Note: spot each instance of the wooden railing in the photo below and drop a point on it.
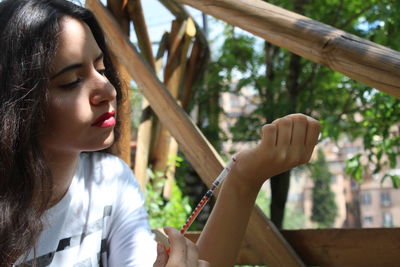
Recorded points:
(361, 60)
(369, 247)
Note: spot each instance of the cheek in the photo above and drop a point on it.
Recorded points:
(65, 113)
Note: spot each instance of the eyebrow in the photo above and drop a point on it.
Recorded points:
(74, 66)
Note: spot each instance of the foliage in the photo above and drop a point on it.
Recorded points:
(380, 134)
(286, 83)
(324, 208)
(173, 212)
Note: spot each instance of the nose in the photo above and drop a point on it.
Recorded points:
(103, 91)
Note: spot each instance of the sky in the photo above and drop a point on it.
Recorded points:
(158, 18)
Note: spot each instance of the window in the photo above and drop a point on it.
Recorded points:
(354, 185)
(387, 219)
(385, 198)
(368, 220)
(366, 198)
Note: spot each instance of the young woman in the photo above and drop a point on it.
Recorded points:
(64, 201)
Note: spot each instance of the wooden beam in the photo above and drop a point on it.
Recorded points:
(263, 237)
(162, 48)
(166, 146)
(117, 8)
(347, 247)
(339, 247)
(122, 148)
(364, 61)
(195, 65)
(135, 11)
(181, 13)
(143, 144)
(139, 23)
(172, 74)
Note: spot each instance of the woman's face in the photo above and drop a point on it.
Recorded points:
(82, 102)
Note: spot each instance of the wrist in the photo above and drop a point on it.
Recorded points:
(241, 184)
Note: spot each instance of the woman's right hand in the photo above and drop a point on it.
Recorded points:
(183, 252)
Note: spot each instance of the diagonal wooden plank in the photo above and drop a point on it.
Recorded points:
(262, 238)
(362, 60)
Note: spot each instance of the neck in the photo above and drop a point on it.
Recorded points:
(63, 167)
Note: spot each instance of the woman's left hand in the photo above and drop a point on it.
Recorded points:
(285, 143)
(182, 252)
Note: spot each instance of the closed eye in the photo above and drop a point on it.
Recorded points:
(102, 71)
(71, 84)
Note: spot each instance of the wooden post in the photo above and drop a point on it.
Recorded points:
(143, 144)
(172, 75)
(122, 148)
(267, 244)
(193, 70)
(362, 60)
(166, 147)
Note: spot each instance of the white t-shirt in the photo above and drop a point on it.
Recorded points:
(101, 221)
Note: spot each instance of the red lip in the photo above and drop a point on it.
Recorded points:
(105, 120)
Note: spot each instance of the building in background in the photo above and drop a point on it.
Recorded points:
(379, 204)
(372, 203)
(369, 204)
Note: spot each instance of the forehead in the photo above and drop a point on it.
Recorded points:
(76, 43)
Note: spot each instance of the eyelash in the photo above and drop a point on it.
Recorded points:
(102, 71)
(73, 84)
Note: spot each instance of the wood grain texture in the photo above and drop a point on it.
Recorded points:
(338, 247)
(347, 247)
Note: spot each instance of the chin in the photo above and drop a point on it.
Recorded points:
(105, 144)
(104, 148)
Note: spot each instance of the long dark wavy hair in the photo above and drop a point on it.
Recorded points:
(28, 31)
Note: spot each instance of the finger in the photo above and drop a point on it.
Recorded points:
(268, 135)
(297, 143)
(203, 263)
(192, 253)
(299, 130)
(177, 244)
(284, 132)
(313, 131)
(162, 256)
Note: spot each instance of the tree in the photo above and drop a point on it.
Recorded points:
(324, 208)
(286, 83)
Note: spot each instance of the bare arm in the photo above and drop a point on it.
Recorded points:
(285, 143)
